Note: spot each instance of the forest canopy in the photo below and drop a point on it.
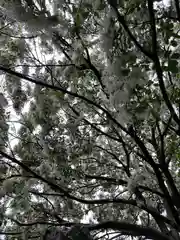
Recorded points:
(90, 118)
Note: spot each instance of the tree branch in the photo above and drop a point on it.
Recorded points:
(124, 183)
(157, 65)
(10, 233)
(131, 229)
(177, 9)
(126, 28)
(58, 88)
(85, 201)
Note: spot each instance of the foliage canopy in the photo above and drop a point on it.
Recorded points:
(90, 118)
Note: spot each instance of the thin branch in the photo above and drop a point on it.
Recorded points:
(10, 233)
(58, 88)
(85, 201)
(177, 9)
(122, 182)
(93, 125)
(158, 176)
(157, 65)
(41, 65)
(45, 194)
(36, 223)
(112, 154)
(21, 37)
(122, 21)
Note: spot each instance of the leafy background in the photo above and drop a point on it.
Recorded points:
(89, 118)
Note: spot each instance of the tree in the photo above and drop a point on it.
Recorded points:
(90, 118)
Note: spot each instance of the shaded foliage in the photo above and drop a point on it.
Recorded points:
(89, 119)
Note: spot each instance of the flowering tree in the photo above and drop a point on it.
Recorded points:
(90, 118)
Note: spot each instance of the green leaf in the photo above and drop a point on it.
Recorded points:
(79, 19)
(172, 66)
(174, 43)
(165, 68)
(175, 35)
(125, 72)
(84, 14)
(175, 56)
(59, 95)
